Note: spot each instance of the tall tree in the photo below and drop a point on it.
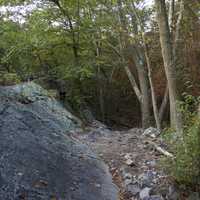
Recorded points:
(139, 58)
(169, 64)
(149, 67)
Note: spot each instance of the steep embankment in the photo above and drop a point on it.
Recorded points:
(39, 160)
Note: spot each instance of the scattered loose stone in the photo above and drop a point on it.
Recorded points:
(151, 163)
(145, 193)
(130, 162)
(133, 189)
(127, 156)
(155, 197)
(127, 182)
(130, 159)
(128, 176)
(137, 175)
(151, 132)
(146, 179)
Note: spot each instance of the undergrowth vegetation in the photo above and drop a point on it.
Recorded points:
(184, 167)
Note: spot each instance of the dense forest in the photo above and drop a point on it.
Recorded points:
(125, 63)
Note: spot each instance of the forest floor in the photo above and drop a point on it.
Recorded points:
(133, 162)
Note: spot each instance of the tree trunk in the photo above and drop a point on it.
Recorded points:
(144, 87)
(153, 94)
(75, 41)
(100, 86)
(148, 62)
(143, 92)
(171, 15)
(169, 64)
(176, 44)
(145, 101)
(164, 104)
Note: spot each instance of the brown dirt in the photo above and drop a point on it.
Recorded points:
(112, 146)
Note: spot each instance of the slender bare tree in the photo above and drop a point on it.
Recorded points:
(169, 63)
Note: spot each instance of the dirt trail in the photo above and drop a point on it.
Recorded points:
(133, 162)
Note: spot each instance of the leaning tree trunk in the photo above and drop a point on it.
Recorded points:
(149, 68)
(145, 101)
(169, 64)
(142, 92)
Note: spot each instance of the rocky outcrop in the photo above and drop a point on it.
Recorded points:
(39, 160)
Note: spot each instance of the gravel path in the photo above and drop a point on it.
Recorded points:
(133, 162)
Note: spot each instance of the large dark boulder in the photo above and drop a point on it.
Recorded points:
(39, 160)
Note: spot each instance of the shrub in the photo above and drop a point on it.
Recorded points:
(185, 167)
(9, 79)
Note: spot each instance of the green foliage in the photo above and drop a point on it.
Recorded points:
(11, 2)
(9, 79)
(188, 107)
(43, 46)
(185, 166)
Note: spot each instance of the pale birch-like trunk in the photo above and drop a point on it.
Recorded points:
(169, 64)
(149, 68)
(142, 72)
(145, 103)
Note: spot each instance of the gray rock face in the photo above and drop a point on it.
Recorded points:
(38, 159)
(38, 99)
